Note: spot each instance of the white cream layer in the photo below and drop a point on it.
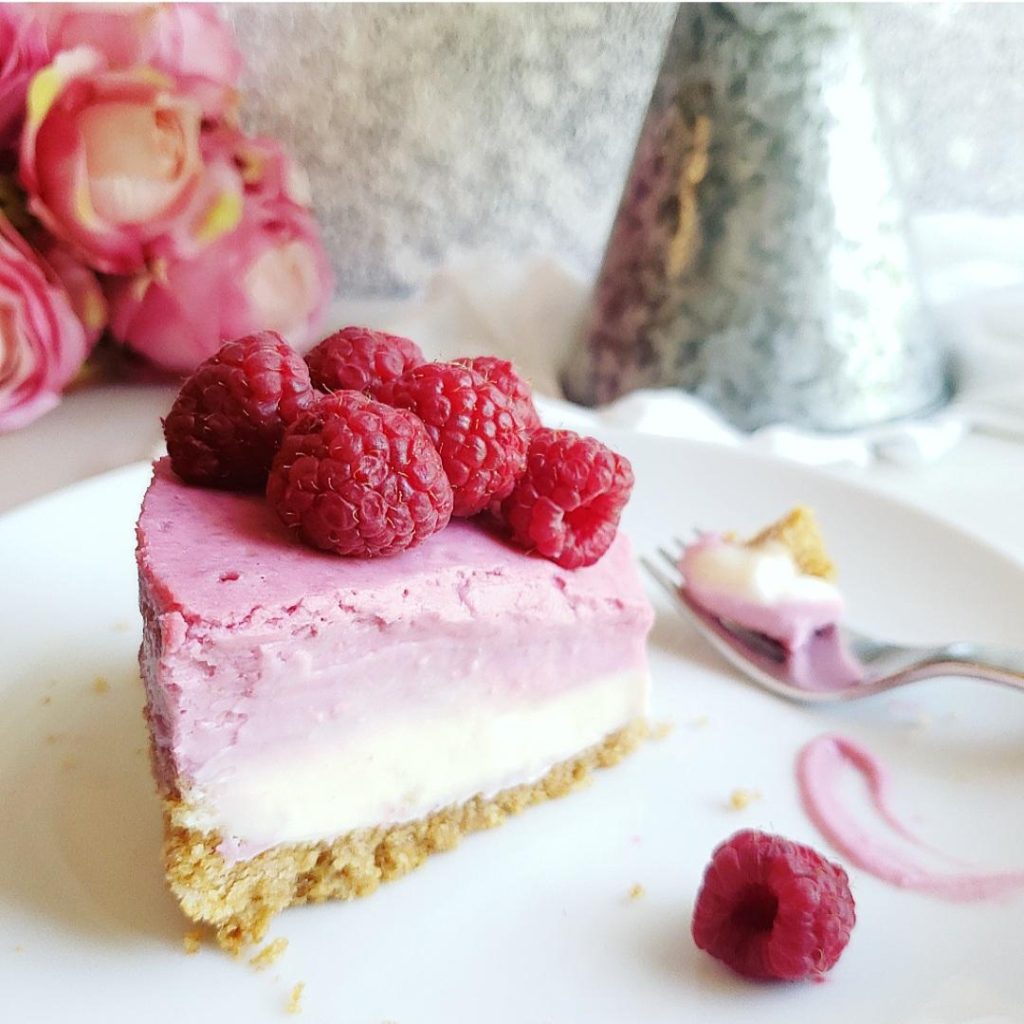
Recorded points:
(765, 574)
(397, 771)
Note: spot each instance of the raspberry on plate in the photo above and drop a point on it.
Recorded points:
(568, 502)
(503, 375)
(229, 416)
(359, 478)
(482, 443)
(359, 359)
(770, 908)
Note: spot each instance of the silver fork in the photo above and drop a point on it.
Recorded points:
(884, 666)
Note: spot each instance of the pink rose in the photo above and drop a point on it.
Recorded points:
(181, 40)
(22, 53)
(82, 286)
(266, 169)
(42, 343)
(110, 159)
(270, 273)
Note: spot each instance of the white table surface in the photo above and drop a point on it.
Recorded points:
(979, 485)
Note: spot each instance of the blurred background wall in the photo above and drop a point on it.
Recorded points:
(428, 128)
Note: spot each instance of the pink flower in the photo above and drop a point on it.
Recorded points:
(270, 273)
(266, 169)
(110, 159)
(42, 343)
(181, 40)
(82, 286)
(22, 53)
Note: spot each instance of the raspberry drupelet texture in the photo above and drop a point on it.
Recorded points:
(482, 443)
(359, 359)
(359, 478)
(229, 417)
(567, 504)
(773, 909)
(504, 376)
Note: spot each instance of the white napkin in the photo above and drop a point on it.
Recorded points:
(530, 311)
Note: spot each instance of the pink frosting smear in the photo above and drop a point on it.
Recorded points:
(819, 766)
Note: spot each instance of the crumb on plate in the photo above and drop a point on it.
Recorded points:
(295, 999)
(637, 892)
(741, 798)
(269, 953)
(100, 685)
(192, 941)
(661, 730)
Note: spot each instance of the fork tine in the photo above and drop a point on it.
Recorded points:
(668, 558)
(659, 577)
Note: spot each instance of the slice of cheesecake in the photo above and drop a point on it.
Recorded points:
(779, 586)
(320, 725)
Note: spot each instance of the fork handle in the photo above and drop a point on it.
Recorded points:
(981, 661)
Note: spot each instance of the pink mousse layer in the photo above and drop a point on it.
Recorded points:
(254, 640)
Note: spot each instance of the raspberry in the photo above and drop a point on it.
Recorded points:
(482, 443)
(771, 908)
(359, 359)
(503, 375)
(567, 504)
(359, 478)
(229, 416)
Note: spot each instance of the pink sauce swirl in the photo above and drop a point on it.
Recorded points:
(819, 765)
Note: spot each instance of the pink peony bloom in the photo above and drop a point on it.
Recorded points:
(270, 273)
(110, 159)
(22, 53)
(42, 343)
(181, 40)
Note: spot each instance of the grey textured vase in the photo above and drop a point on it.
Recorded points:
(759, 257)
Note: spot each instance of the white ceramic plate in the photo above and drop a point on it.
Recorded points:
(529, 923)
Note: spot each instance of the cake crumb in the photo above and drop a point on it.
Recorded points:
(699, 722)
(100, 685)
(192, 941)
(68, 764)
(798, 531)
(636, 892)
(661, 730)
(121, 626)
(269, 953)
(52, 737)
(295, 999)
(45, 700)
(19, 949)
(741, 798)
